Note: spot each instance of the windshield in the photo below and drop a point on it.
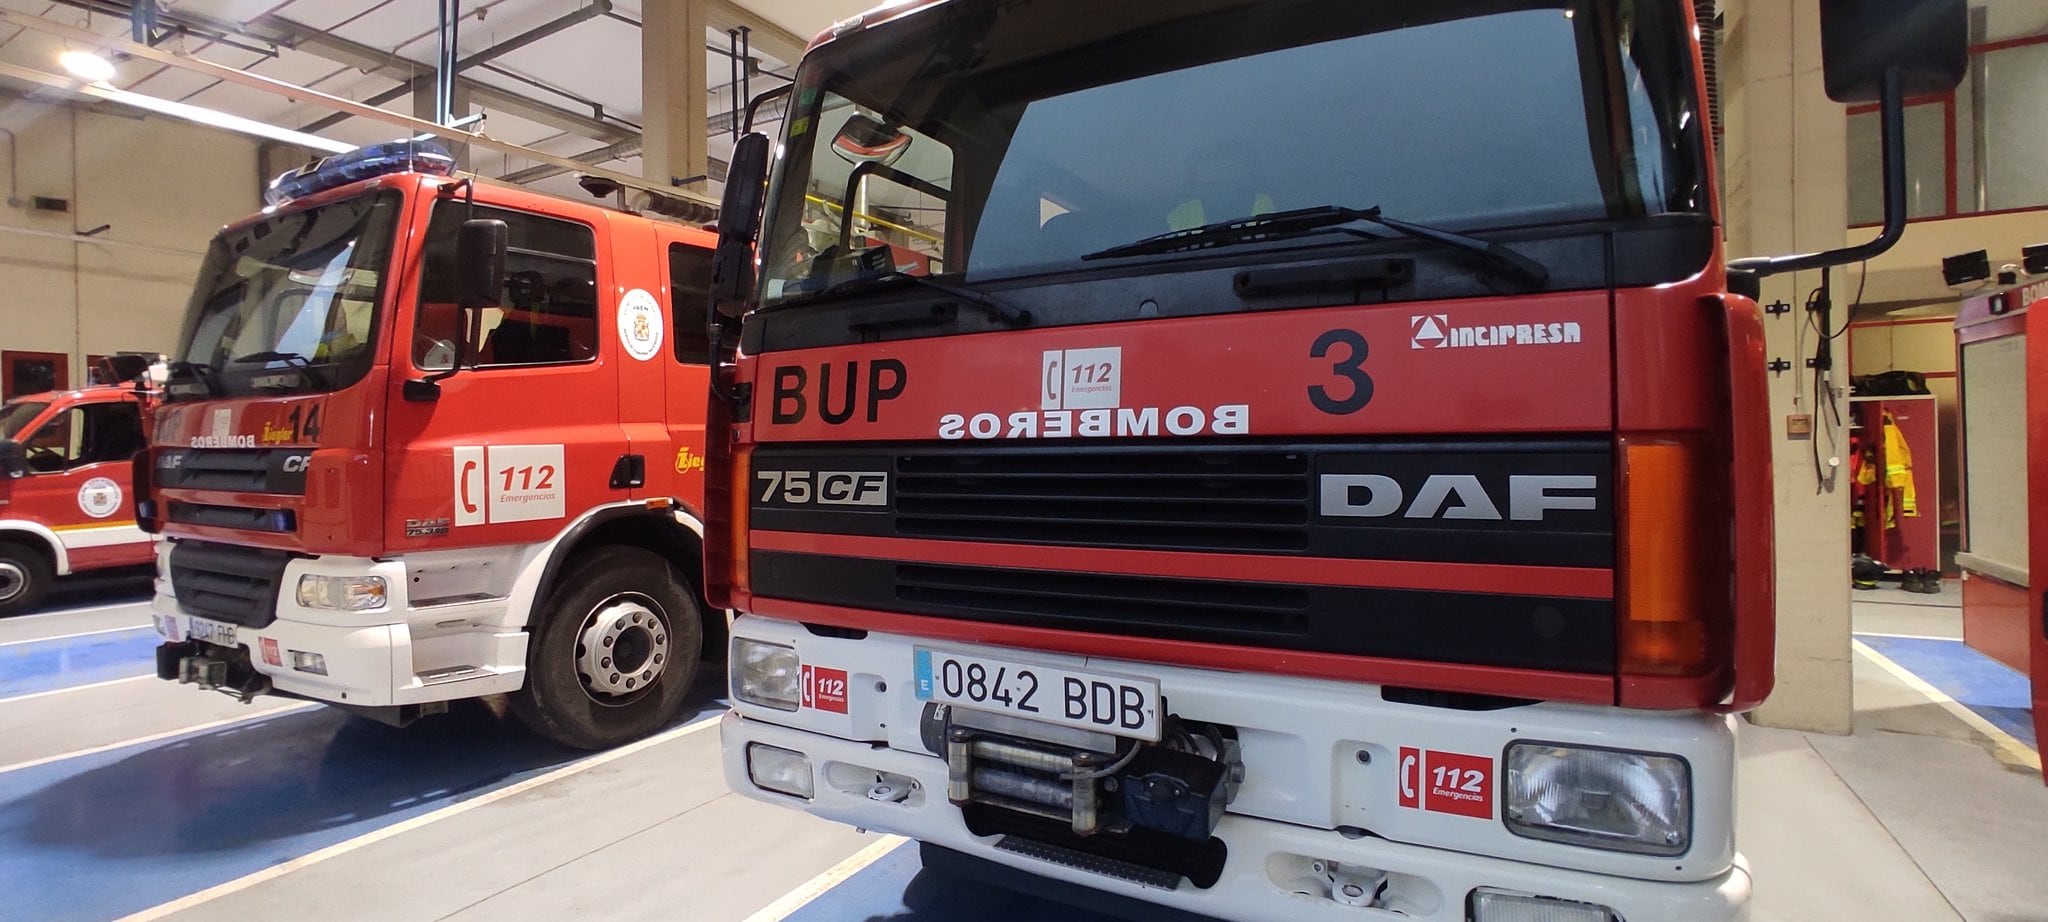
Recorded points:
(999, 146)
(16, 415)
(289, 303)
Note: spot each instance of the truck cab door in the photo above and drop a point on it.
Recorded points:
(522, 440)
(688, 267)
(77, 486)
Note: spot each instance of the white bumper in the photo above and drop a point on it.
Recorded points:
(395, 655)
(1305, 778)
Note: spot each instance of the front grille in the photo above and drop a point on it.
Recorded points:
(1475, 628)
(1209, 500)
(1248, 612)
(241, 470)
(1532, 502)
(280, 521)
(228, 582)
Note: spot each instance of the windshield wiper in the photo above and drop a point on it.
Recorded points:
(1009, 314)
(200, 372)
(302, 363)
(1324, 219)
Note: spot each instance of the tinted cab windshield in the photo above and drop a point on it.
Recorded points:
(289, 303)
(990, 147)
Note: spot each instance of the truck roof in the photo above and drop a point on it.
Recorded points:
(494, 193)
(874, 16)
(87, 393)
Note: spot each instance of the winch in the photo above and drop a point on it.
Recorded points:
(1092, 781)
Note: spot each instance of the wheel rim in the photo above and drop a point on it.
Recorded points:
(622, 649)
(13, 580)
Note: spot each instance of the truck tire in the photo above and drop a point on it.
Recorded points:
(614, 650)
(25, 577)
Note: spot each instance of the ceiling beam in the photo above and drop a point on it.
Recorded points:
(551, 27)
(766, 37)
(393, 66)
(278, 30)
(302, 94)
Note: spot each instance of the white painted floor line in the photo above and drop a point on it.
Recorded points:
(167, 734)
(832, 877)
(2009, 747)
(378, 835)
(17, 619)
(68, 690)
(111, 630)
(1906, 636)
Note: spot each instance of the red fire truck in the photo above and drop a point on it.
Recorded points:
(64, 472)
(428, 438)
(1322, 474)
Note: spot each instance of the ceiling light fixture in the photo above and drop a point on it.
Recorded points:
(87, 66)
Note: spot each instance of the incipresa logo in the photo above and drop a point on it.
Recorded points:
(1434, 331)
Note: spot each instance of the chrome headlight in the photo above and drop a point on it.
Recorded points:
(341, 593)
(1599, 798)
(766, 674)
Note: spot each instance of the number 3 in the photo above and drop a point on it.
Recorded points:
(1350, 369)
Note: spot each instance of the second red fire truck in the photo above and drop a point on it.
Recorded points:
(427, 438)
(65, 504)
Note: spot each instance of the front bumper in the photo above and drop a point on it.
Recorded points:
(397, 655)
(1320, 757)
(1263, 875)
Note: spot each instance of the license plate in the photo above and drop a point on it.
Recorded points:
(1119, 705)
(213, 632)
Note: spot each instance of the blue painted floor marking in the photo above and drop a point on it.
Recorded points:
(1984, 685)
(63, 662)
(898, 888)
(100, 836)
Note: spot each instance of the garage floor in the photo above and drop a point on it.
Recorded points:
(124, 796)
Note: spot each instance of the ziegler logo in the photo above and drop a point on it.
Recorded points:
(1529, 497)
(829, 488)
(1434, 331)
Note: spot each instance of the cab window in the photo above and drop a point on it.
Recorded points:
(689, 296)
(90, 434)
(547, 314)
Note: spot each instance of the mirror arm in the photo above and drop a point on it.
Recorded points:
(1892, 117)
(755, 104)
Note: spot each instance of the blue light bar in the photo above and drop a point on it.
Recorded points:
(359, 164)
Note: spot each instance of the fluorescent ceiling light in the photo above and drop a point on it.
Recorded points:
(87, 65)
(180, 110)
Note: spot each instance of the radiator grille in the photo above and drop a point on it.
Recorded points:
(280, 521)
(226, 582)
(241, 470)
(1198, 500)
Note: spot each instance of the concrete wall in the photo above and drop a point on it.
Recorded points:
(164, 186)
(1786, 172)
(1911, 272)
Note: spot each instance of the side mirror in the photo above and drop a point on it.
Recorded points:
(1879, 51)
(126, 366)
(480, 262)
(739, 224)
(1925, 41)
(13, 459)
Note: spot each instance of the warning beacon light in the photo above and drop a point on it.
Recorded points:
(359, 164)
